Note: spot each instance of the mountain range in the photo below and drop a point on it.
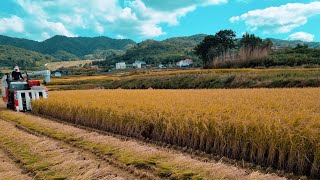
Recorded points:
(292, 43)
(62, 48)
(78, 46)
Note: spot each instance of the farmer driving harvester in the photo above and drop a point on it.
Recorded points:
(16, 74)
(18, 93)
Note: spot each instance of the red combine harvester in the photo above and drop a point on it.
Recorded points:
(18, 94)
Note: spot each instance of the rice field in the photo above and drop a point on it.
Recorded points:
(75, 79)
(56, 65)
(222, 71)
(192, 79)
(277, 128)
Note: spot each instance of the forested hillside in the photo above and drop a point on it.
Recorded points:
(114, 50)
(174, 49)
(10, 56)
(81, 46)
(68, 48)
(285, 43)
(20, 43)
(166, 51)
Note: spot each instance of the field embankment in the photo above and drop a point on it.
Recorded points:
(195, 79)
(275, 128)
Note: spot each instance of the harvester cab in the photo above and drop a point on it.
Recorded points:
(18, 94)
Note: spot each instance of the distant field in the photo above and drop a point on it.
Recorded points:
(6, 70)
(74, 79)
(276, 128)
(193, 79)
(56, 65)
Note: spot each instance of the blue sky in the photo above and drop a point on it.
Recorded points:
(159, 19)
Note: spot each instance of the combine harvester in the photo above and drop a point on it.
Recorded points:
(18, 94)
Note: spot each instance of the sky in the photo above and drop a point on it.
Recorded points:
(159, 19)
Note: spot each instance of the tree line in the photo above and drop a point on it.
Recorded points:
(224, 50)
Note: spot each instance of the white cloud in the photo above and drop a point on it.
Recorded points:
(215, 2)
(162, 5)
(13, 23)
(303, 36)
(149, 18)
(99, 28)
(72, 20)
(41, 24)
(45, 35)
(119, 36)
(150, 30)
(58, 28)
(280, 19)
(136, 19)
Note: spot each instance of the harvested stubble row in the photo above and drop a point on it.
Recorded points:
(9, 169)
(271, 127)
(44, 158)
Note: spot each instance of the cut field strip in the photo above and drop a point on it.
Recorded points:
(162, 164)
(43, 158)
(9, 169)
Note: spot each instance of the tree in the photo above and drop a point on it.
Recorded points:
(226, 40)
(250, 41)
(301, 48)
(215, 45)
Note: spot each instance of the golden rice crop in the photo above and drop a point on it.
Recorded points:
(71, 79)
(279, 128)
(222, 71)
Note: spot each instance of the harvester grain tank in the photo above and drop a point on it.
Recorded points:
(19, 94)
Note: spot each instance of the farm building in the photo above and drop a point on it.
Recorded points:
(139, 64)
(184, 63)
(57, 74)
(161, 66)
(121, 65)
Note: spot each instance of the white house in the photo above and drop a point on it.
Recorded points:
(139, 64)
(121, 65)
(184, 63)
(161, 66)
(57, 74)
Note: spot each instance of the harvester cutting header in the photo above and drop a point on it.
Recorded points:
(18, 89)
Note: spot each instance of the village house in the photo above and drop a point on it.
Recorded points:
(121, 65)
(184, 63)
(139, 64)
(57, 74)
(161, 66)
(60, 72)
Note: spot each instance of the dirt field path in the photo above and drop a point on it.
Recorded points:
(140, 159)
